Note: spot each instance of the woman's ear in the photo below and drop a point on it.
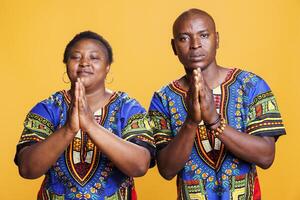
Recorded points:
(107, 69)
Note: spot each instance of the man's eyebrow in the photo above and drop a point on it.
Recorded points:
(183, 33)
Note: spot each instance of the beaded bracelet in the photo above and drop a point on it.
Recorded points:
(220, 129)
(208, 126)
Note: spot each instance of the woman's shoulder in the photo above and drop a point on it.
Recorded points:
(50, 110)
(55, 101)
(127, 105)
(124, 98)
(121, 96)
(57, 98)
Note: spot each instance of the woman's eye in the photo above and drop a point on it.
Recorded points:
(95, 58)
(74, 57)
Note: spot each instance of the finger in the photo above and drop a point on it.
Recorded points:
(195, 74)
(203, 82)
(84, 102)
(83, 93)
(72, 95)
(195, 89)
(200, 76)
(82, 87)
(206, 89)
(80, 99)
(195, 78)
(195, 97)
(84, 99)
(76, 94)
(202, 85)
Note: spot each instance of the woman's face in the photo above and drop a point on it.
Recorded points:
(88, 60)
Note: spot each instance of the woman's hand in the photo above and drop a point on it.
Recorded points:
(80, 115)
(206, 98)
(72, 125)
(192, 99)
(85, 114)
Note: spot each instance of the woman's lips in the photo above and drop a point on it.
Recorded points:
(84, 73)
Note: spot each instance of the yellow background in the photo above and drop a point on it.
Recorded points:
(259, 36)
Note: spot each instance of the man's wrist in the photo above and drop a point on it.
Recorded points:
(191, 123)
(214, 124)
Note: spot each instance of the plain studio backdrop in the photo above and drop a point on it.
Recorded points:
(258, 36)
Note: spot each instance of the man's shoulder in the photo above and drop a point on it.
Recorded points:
(247, 77)
(166, 90)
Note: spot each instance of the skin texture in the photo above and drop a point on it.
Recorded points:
(195, 44)
(87, 67)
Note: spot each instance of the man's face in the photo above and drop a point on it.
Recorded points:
(195, 41)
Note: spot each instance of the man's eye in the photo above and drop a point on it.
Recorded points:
(183, 39)
(204, 35)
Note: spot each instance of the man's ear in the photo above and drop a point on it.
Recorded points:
(173, 46)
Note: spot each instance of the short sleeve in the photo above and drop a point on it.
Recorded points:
(263, 118)
(135, 126)
(38, 125)
(160, 120)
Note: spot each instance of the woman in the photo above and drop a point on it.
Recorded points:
(89, 141)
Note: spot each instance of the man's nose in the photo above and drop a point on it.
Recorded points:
(195, 43)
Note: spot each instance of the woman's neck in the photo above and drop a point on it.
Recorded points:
(98, 98)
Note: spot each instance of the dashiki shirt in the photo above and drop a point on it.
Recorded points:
(82, 171)
(212, 172)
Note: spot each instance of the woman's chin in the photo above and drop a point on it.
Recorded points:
(89, 83)
(86, 83)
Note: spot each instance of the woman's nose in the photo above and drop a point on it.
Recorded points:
(84, 62)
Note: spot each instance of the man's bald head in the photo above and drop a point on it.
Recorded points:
(189, 14)
(195, 39)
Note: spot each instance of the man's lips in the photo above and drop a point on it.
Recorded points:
(196, 57)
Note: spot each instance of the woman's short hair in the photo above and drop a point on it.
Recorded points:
(88, 35)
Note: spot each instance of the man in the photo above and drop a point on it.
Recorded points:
(213, 125)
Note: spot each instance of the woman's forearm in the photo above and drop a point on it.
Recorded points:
(133, 160)
(35, 160)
